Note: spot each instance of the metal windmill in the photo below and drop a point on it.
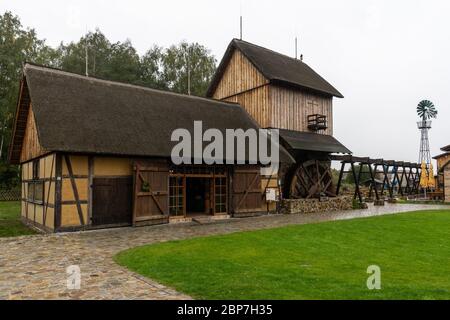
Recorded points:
(426, 111)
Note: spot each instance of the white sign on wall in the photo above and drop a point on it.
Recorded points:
(271, 194)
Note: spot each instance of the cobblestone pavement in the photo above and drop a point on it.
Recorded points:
(34, 267)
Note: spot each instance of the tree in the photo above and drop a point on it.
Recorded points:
(73, 55)
(16, 46)
(188, 68)
(151, 73)
(365, 174)
(426, 110)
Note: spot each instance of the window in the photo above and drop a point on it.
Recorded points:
(36, 186)
(30, 195)
(220, 195)
(35, 169)
(39, 191)
(35, 191)
(176, 196)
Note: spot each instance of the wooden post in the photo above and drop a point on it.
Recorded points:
(400, 186)
(374, 184)
(372, 176)
(386, 179)
(357, 192)
(359, 178)
(341, 174)
(58, 188)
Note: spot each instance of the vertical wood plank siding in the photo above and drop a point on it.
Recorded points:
(290, 109)
(270, 105)
(239, 76)
(31, 147)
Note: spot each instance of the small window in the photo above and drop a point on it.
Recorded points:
(35, 169)
(39, 191)
(30, 195)
(221, 195)
(35, 191)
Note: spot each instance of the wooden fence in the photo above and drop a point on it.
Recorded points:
(10, 194)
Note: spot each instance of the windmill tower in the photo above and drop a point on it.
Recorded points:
(426, 111)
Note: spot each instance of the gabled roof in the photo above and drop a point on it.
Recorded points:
(276, 67)
(310, 141)
(441, 155)
(75, 113)
(446, 148)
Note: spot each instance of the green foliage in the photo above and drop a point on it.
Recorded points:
(426, 110)
(9, 176)
(314, 261)
(184, 59)
(10, 224)
(17, 45)
(365, 175)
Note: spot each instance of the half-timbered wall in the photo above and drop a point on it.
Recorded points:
(38, 192)
(74, 190)
(78, 178)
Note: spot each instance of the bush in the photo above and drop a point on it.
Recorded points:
(9, 175)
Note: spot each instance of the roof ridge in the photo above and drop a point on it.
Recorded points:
(124, 84)
(276, 52)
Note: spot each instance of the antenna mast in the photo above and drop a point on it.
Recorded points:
(240, 28)
(240, 21)
(87, 54)
(296, 47)
(188, 71)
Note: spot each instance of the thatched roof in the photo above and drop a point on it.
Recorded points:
(277, 68)
(74, 113)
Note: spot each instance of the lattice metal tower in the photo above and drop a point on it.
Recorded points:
(424, 154)
(426, 111)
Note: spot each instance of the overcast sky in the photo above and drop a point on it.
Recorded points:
(384, 56)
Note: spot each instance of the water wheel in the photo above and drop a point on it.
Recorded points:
(311, 179)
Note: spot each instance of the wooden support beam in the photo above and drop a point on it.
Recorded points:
(373, 185)
(358, 193)
(341, 174)
(74, 188)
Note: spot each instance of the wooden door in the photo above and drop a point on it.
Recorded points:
(151, 193)
(247, 194)
(112, 201)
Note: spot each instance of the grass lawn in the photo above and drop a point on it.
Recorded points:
(316, 261)
(10, 224)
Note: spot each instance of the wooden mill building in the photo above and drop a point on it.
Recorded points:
(96, 153)
(443, 172)
(281, 92)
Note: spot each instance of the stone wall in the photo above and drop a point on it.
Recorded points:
(288, 206)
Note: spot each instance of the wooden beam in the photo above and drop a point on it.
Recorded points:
(341, 174)
(74, 189)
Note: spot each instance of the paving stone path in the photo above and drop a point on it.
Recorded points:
(34, 267)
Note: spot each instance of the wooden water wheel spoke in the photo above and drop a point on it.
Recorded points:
(311, 179)
(302, 181)
(317, 186)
